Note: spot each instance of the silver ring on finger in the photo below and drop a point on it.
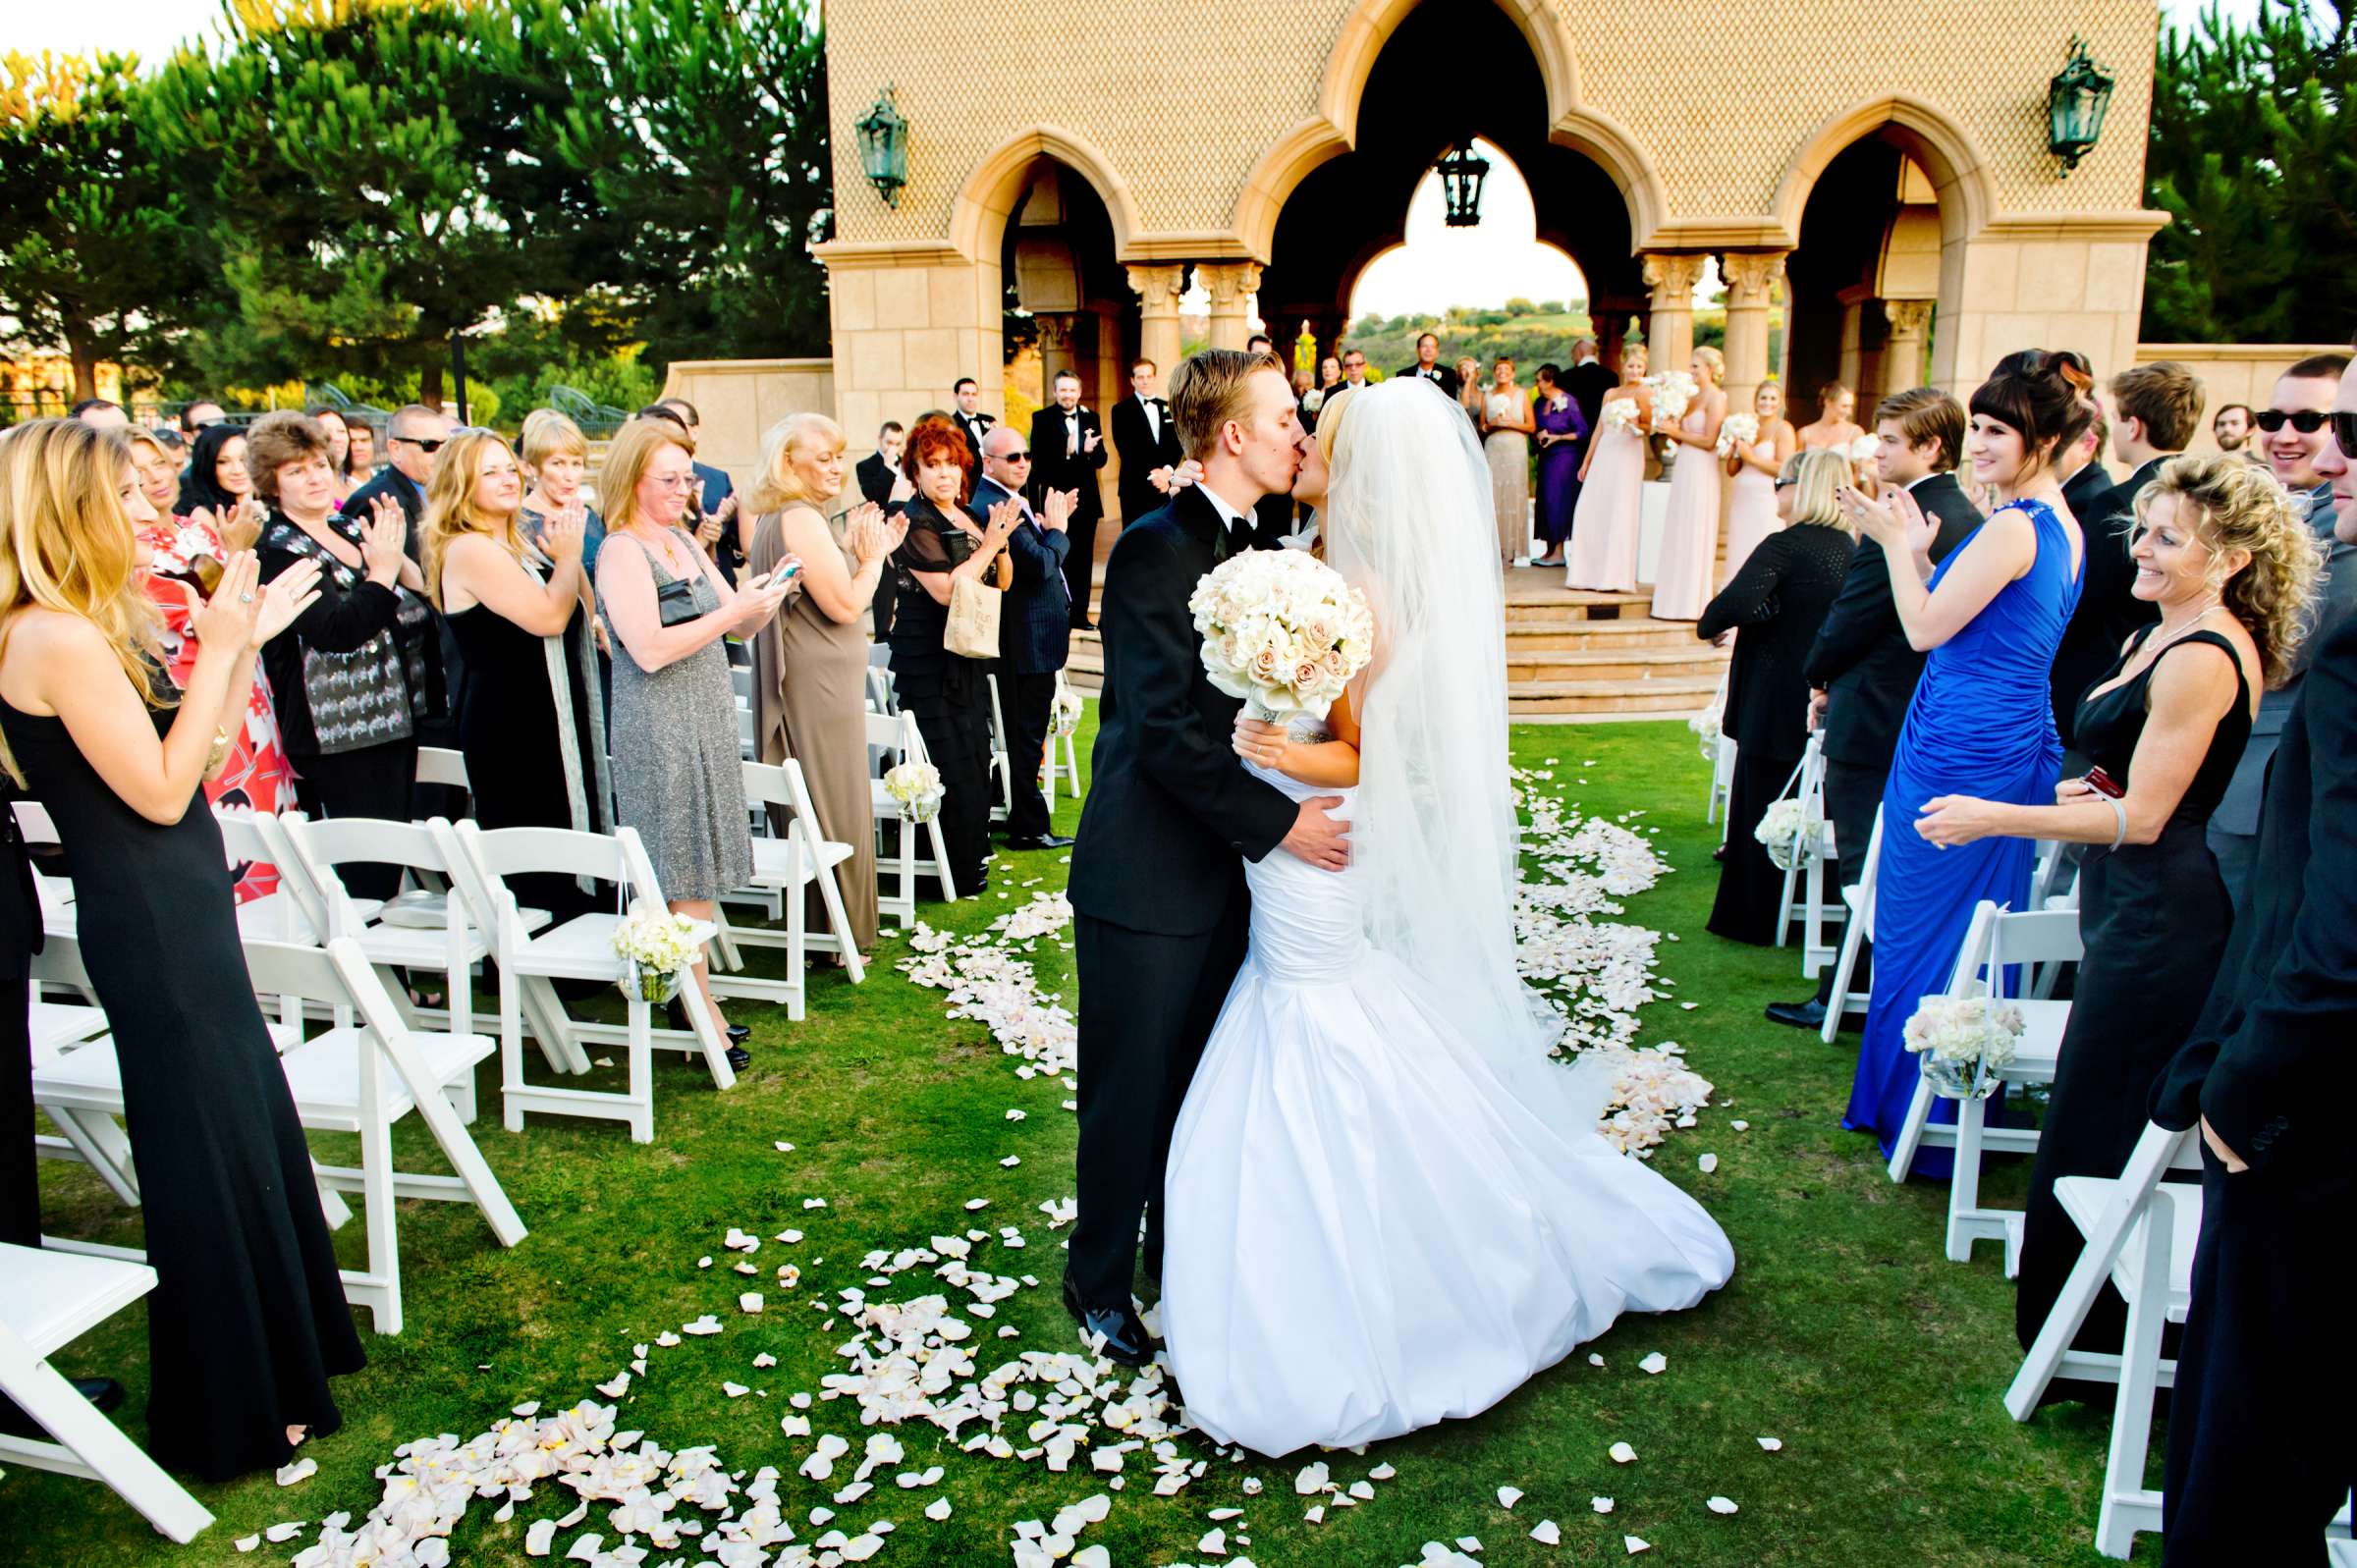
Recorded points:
(245, 598)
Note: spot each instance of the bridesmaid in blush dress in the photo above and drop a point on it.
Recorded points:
(1755, 464)
(1607, 522)
(1682, 582)
(1981, 723)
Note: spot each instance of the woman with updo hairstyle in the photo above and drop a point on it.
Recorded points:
(1991, 616)
(811, 661)
(947, 541)
(2223, 552)
(1689, 557)
(1835, 427)
(1607, 521)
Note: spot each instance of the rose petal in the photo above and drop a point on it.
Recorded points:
(1507, 1497)
(1602, 1505)
(1655, 1364)
(1771, 1444)
(1720, 1505)
(1622, 1453)
(1634, 1544)
(1548, 1533)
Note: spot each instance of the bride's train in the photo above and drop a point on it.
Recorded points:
(1368, 1230)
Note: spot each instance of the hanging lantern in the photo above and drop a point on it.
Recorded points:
(884, 148)
(2076, 102)
(1462, 173)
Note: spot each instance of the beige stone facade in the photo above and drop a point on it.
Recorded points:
(1180, 138)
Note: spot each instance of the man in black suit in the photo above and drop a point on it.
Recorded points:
(713, 485)
(2156, 409)
(1861, 671)
(1428, 365)
(969, 416)
(1034, 628)
(1588, 380)
(2087, 484)
(1067, 449)
(1145, 440)
(1354, 367)
(878, 472)
(1158, 878)
(2261, 1448)
(412, 438)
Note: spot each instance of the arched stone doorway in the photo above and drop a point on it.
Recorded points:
(1863, 287)
(1069, 305)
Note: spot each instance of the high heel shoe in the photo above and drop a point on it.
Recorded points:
(737, 1034)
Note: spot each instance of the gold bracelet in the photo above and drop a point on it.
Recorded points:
(219, 752)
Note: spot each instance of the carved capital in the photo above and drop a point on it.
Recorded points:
(1158, 288)
(1751, 277)
(1671, 275)
(1055, 331)
(1908, 318)
(1228, 282)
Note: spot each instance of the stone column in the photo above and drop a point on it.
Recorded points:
(1751, 277)
(1158, 291)
(1670, 327)
(1231, 284)
(1856, 356)
(1903, 355)
(1055, 351)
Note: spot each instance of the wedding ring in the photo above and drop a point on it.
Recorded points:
(245, 598)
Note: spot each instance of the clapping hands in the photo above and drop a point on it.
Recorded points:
(871, 535)
(244, 615)
(564, 533)
(1897, 523)
(1056, 510)
(384, 534)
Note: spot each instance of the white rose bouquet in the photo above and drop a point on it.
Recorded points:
(1282, 630)
(1788, 834)
(656, 947)
(1961, 1042)
(1620, 414)
(1063, 713)
(1737, 429)
(1672, 392)
(917, 786)
(1864, 449)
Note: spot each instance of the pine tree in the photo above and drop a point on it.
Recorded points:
(2252, 155)
(97, 251)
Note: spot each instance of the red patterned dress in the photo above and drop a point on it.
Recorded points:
(256, 769)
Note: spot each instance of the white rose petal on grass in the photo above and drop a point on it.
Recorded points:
(1656, 1364)
(1720, 1505)
(735, 1391)
(1770, 1445)
(1636, 1545)
(1602, 1505)
(247, 1543)
(617, 1387)
(1622, 1453)
(1311, 1481)
(300, 1471)
(1092, 1557)
(1595, 1360)
(750, 1301)
(1316, 1515)
(1708, 1163)
(1548, 1533)
(1740, 1126)
(1214, 1544)
(1383, 1473)
(1507, 1497)
(973, 1204)
(586, 1549)
(938, 1509)
(1012, 1161)
(536, 1537)
(814, 1202)
(1468, 1543)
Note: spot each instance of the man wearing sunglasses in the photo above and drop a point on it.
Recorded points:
(412, 437)
(2303, 397)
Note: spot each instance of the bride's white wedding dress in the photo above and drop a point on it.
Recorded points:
(1374, 1220)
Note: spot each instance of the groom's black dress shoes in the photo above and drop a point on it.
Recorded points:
(1126, 1338)
(1809, 1014)
(1045, 841)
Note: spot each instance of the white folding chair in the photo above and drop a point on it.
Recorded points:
(47, 1300)
(883, 694)
(896, 738)
(2141, 1231)
(581, 948)
(1808, 868)
(1002, 769)
(438, 933)
(786, 865)
(1995, 941)
(1856, 931)
(95, 1138)
(439, 765)
(1061, 762)
(1723, 786)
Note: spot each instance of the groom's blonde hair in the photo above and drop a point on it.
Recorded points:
(1211, 388)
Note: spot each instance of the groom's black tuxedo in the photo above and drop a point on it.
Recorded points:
(1158, 882)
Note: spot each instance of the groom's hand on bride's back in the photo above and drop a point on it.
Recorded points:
(1321, 841)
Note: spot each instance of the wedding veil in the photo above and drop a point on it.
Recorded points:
(1434, 837)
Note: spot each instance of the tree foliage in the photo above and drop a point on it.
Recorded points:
(2253, 157)
(96, 250)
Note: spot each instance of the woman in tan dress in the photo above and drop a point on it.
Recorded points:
(810, 662)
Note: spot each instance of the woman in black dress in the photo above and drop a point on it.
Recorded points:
(1774, 606)
(248, 1321)
(531, 722)
(2221, 549)
(943, 689)
(359, 671)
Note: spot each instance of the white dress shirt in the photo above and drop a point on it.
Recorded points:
(1237, 521)
(1153, 419)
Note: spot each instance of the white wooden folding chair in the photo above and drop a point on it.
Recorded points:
(440, 764)
(2141, 1231)
(786, 865)
(436, 930)
(1856, 931)
(1808, 868)
(1063, 762)
(1002, 768)
(896, 738)
(883, 694)
(581, 948)
(1723, 786)
(1995, 941)
(47, 1300)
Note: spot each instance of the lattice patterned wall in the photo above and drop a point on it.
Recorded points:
(1184, 102)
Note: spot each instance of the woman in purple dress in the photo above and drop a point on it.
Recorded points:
(1563, 437)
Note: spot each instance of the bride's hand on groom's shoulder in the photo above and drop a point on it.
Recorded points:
(1317, 839)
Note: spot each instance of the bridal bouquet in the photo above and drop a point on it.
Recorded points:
(1673, 391)
(1282, 630)
(1737, 429)
(1788, 834)
(917, 786)
(1063, 713)
(655, 946)
(1961, 1042)
(1620, 414)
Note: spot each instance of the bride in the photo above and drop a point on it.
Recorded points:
(1386, 1206)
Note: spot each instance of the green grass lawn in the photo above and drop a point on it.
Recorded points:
(1845, 1332)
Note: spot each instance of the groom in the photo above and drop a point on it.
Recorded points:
(1157, 877)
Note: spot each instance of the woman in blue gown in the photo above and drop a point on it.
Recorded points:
(1982, 721)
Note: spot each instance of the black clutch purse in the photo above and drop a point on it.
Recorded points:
(674, 601)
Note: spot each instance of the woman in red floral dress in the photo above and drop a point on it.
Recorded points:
(183, 555)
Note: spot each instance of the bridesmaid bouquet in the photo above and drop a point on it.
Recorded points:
(655, 946)
(1673, 391)
(1788, 832)
(1282, 630)
(1961, 1042)
(1737, 429)
(917, 786)
(1620, 414)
